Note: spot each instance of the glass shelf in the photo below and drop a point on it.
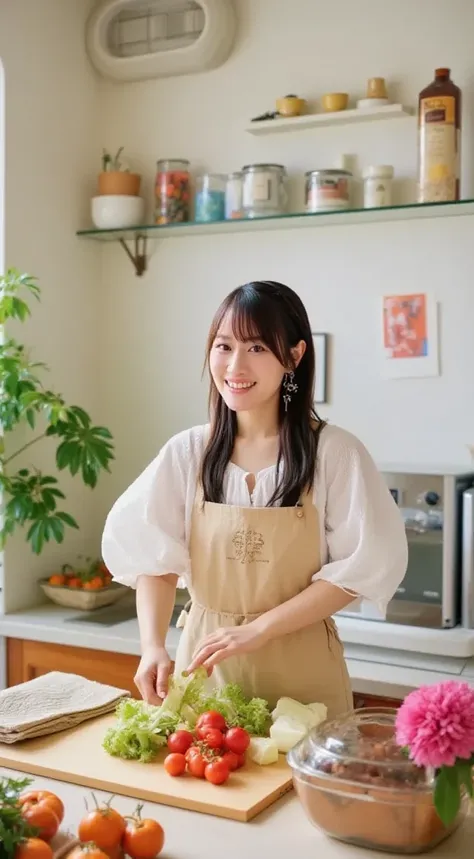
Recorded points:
(412, 211)
(141, 233)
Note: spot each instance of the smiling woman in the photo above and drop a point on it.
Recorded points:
(273, 520)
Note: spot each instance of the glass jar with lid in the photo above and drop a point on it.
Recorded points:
(209, 203)
(233, 196)
(327, 189)
(358, 786)
(263, 190)
(172, 191)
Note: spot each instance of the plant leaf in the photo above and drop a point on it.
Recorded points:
(465, 776)
(68, 519)
(447, 795)
(57, 527)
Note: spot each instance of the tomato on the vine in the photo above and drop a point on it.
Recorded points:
(211, 719)
(103, 826)
(180, 742)
(175, 764)
(237, 740)
(87, 851)
(217, 772)
(197, 765)
(232, 760)
(143, 839)
(193, 750)
(213, 738)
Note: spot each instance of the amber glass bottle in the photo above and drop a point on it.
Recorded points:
(439, 138)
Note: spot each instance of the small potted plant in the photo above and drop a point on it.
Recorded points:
(118, 204)
(116, 178)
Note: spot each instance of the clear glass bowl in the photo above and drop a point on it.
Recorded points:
(358, 786)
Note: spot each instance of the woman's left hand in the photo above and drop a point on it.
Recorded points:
(226, 642)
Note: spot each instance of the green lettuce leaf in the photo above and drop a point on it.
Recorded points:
(140, 730)
(252, 714)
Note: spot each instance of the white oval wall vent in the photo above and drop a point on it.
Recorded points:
(131, 40)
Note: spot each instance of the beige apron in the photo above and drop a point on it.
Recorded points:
(245, 561)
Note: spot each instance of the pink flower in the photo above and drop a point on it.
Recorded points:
(437, 724)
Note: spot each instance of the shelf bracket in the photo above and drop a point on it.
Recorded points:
(138, 257)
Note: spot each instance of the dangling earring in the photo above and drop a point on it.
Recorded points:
(290, 387)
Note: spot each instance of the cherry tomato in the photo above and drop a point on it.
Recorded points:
(211, 719)
(237, 740)
(213, 738)
(175, 764)
(217, 772)
(241, 759)
(232, 760)
(197, 766)
(180, 742)
(193, 750)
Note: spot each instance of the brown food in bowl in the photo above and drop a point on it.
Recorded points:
(357, 785)
(377, 819)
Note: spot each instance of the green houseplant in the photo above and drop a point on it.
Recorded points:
(30, 498)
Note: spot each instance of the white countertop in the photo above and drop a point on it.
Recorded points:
(284, 829)
(383, 659)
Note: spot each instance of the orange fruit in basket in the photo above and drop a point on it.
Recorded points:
(57, 579)
(74, 582)
(94, 584)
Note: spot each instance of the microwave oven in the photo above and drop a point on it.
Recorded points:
(438, 511)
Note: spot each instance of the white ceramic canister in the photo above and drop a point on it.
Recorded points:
(378, 186)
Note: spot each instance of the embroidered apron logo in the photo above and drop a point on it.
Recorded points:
(248, 545)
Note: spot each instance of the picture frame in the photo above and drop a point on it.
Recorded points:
(320, 340)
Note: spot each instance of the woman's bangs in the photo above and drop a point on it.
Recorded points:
(251, 321)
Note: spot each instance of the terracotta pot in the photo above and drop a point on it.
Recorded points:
(118, 182)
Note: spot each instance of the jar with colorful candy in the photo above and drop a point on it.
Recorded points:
(172, 191)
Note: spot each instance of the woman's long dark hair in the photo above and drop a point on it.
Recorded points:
(273, 313)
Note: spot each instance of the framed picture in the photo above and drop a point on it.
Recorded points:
(409, 327)
(321, 355)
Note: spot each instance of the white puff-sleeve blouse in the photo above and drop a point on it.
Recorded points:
(362, 535)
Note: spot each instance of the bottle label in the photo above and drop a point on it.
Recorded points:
(439, 151)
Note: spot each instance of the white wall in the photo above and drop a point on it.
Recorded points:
(53, 154)
(129, 349)
(154, 338)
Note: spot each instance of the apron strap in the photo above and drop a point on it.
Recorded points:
(181, 622)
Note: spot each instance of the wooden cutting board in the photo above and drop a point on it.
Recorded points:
(77, 756)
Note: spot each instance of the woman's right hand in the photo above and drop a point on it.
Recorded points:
(153, 674)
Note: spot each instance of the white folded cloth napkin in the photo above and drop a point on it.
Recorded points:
(51, 703)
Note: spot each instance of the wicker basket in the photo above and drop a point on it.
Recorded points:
(83, 599)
